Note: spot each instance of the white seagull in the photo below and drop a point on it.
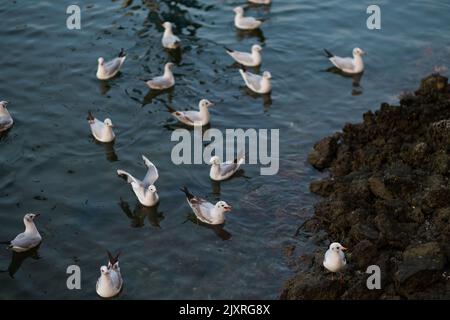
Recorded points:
(257, 83)
(334, 259)
(169, 40)
(205, 211)
(6, 121)
(245, 23)
(165, 81)
(107, 70)
(28, 239)
(144, 190)
(260, 1)
(110, 282)
(102, 131)
(191, 117)
(224, 170)
(353, 65)
(247, 59)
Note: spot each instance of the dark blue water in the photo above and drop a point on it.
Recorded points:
(50, 164)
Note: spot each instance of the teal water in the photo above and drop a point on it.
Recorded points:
(50, 164)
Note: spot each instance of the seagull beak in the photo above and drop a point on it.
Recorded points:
(37, 215)
(363, 53)
(210, 104)
(344, 249)
(228, 208)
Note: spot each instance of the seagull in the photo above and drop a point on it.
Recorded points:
(205, 211)
(28, 239)
(260, 1)
(245, 23)
(109, 69)
(334, 259)
(144, 190)
(169, 40)
(165, 81)
(110, 282)
(6, 121)
(102, 131)
(252, 59)
(348, 65)
(257, 83)
(194, 118)
(224, 170)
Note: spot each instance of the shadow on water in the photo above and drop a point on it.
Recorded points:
(218, 229)
(109, 149)
(140, 212)
(248, 34)
(153, 94)
(267, 98)
(215, 185)
(17, 259)
(103, 87)
(356, 83)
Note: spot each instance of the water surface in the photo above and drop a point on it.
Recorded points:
(50, 164)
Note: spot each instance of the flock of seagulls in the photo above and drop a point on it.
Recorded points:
(110, 281)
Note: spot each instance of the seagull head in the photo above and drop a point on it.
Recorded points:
(238, 10)
(108, 122)
(167, 25)
(104, 270)
(222, 205)
(29, 217)
(267, 75)
(169, 66)
(214, 160)
(256, 48)
(358, 52)
(337, 247)
(204, 103)
(101, 61)
(151, 188)
(3, 104)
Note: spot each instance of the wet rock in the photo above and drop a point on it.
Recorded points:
(387, 199)
(324, 152)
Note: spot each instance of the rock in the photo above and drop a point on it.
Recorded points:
(379, 189)
(324, 152)
(364, 254)
(307, 286)
(433, 83)
(422, 265)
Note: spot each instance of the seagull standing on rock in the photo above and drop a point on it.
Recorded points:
(257, 83)
(252, 59)
(245, 23)
(6, 121)
(102, 131)
(353, 65)
(169, 40)
(194, 118)
(144, 190)
(107, 70)
(110, 282)
(28, 239)
(205, 211)
(165, 81)
(334, 259)
(224, 170)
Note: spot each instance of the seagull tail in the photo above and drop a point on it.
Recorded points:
(170, 109)
(229, 50)
(90, 117)
(112, 260)
(187, 193)
(122, 53)
(328, 53)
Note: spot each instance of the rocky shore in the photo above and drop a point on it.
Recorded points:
(387, 198)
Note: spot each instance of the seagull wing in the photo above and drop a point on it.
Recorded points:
(25, 241)
(343, 63)
(159, 83)
(5, 122)
(130, 178)
(97, 127)
(152, 173)
(241, 57)
(114, 65)
(202, 209)
(252, 80)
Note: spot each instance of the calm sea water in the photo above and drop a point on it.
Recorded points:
(50, 164)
